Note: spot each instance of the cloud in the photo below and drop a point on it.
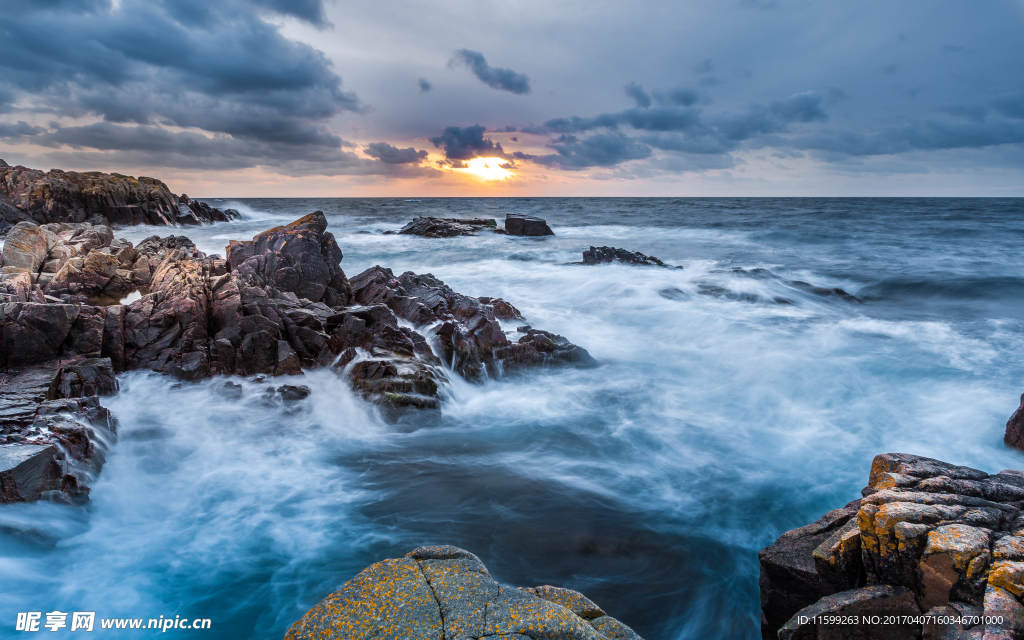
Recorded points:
(635, 91)
(424, 85)
(600, 150)
(497, 78)
(465, 143)
(928, 135)
(704, 66)
(222, 68)
(393, 155)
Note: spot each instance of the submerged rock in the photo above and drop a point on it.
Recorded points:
(92, 196)
(598, 255)
(447, 227)
(446, 593)
(927, 538)
(519, 225)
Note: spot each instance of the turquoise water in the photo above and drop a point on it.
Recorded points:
(737, 397)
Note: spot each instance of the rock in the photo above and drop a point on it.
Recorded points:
(447, 227)
(873, 601)
(598, 255)
(27, 471)
(446, 593)
(300, 258)
(1015, 428)
(948, 535)
(107, 198)
(520, 225)
(809, 563)
(26, 247)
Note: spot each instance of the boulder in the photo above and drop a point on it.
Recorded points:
(1015, 428)
(520, 225)
(446, 593)
(26, 247)
(951, 537)
(599, 255)
(447, 227)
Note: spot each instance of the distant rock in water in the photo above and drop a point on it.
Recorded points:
(599, 255)
(446, 593)
(447, 227)
(101, 198)
(937, 547)
(520, 225)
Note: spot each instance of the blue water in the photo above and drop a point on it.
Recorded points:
(733, 403)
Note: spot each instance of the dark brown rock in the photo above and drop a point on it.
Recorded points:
(1015, 428)
(106, 198)
(520, 225)
(607, 255)
(27, 471)
(447, 227)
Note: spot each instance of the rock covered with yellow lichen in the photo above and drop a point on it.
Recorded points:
(935, 544)
(446, 593)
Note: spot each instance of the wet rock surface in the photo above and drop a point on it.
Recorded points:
(520, 225)
(274, 305)
(1015, 428)
(53, 431)
(101, 198)
(607, 255)
(446, 593)
(429, 227)
(928, 538)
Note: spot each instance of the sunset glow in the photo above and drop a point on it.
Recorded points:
(487, 169)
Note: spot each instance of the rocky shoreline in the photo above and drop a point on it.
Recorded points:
(31, 195)
(936, 547)
(273, 306)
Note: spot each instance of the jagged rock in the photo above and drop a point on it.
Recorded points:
(951, 536)
(446, 593)
(519, 225)
(879, 601)
(27, 471)
(105, 198)
(598, 255)
(300, 258)
(447, 227)
(26, 247)
(1015, 428)
(53, 429)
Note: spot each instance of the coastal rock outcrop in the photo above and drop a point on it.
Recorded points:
(599, 255)
(276, 304)
(446, 593)
(429, 227)
(101, 198)
(928, 538)
(517, 224)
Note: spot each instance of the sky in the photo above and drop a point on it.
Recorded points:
(251, 98)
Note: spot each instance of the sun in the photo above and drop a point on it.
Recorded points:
(487, 169)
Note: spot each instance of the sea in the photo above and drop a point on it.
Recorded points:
(737, 397)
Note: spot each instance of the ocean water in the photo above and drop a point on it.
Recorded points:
(737, 397)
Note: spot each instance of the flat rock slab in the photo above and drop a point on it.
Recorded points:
(520, 225)
(446, 593)
(26, 471)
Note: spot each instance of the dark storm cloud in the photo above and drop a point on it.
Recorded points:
(217, 67)
(465, 143)
(928, 135)
(635, 91)
(389, 154)
(104, 143)
(424, 85)
(674, 125)
(498, 78)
